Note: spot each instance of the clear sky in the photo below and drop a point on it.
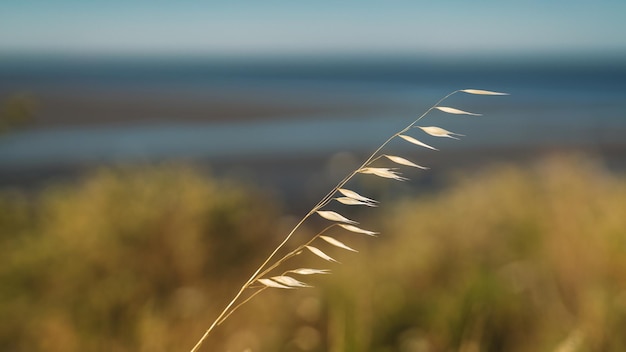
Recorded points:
(94, 27)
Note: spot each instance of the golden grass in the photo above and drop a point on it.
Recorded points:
(513, 257)
(274, 261)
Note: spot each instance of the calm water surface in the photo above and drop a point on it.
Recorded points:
(578, 106)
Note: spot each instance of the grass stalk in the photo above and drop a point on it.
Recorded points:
(267, 266)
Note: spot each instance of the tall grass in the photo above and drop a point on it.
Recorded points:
(99, 264)
(263, 277)
(513, 257)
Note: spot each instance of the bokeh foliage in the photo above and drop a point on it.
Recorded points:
(123, 259)
(511, 258)
(508, 259)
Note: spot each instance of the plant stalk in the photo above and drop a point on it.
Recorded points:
(229, 309)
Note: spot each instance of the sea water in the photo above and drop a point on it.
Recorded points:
(566, 105)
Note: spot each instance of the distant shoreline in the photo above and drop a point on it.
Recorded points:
(96, 114)
(103, 92)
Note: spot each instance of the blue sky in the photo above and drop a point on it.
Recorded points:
(318, 27)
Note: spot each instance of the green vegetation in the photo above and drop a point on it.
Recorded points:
(16, 110)
(510, 258)
(128, 253)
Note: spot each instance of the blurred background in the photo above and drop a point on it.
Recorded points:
(153, 152)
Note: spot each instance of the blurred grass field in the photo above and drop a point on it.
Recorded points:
(525, 257)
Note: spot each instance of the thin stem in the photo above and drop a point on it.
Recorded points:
(295, 252)
(261, 289)
(250, 280)
(323, 202)
(371, 159)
